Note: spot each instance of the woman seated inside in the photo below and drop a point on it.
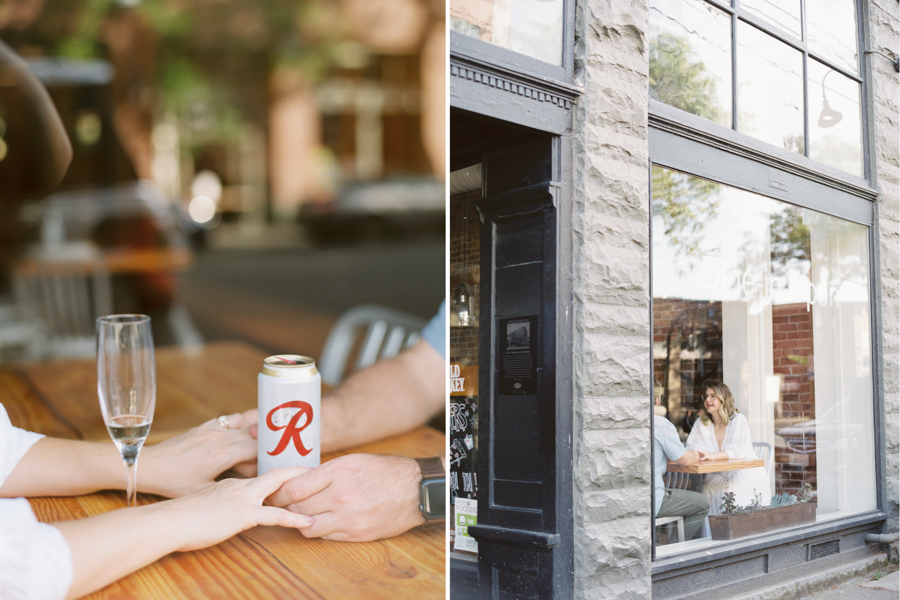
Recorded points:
(723, 433)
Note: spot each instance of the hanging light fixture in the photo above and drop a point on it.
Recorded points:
(462, 306)
(829, 117)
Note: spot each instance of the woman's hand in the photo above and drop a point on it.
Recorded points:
(228, 507)
(101, 553)
(188, 462)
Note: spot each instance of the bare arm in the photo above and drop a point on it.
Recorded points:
(387, 398)
(688, 458)
(50, 153)
(714, 456)
(175, 467)
(109, 546)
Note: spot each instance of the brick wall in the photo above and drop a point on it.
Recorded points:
(793, 359)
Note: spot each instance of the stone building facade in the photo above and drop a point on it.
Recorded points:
(606, 320)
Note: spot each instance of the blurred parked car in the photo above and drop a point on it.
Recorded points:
(377, 209)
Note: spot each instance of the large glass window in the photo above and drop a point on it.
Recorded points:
(530, 27)
(795, 88)
(773, 300)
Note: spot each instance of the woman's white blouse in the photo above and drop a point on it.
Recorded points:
(35, 560)
(737, 443)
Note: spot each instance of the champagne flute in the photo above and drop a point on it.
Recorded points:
(126, 384)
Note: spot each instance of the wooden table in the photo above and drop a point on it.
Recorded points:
(59, 398)
(715, 466)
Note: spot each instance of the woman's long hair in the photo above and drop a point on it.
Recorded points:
(726, 408)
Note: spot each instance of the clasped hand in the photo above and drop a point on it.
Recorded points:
(356, 498)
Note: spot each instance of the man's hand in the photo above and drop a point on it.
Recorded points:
(356, 498)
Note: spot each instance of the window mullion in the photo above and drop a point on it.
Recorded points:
(805, 105)
(721, 6)
(805, 38)
(773, 31)
(848, 74)
(734, 73)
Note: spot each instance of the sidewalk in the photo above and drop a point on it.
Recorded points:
(881, 584)
(871, 578)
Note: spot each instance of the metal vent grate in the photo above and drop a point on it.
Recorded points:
(823, 549)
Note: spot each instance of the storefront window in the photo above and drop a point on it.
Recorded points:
(692, 67)
(773, 300)
(464, 271)
(530, 27)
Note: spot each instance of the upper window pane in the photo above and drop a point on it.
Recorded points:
(770, 89)
(834, 131)
(530, 27)
(690, 58)
(784, 14)
(832, 31)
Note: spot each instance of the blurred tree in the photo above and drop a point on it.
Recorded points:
(687, 205)
(679, 80)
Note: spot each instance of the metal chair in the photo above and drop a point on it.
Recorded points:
(678, 480)
(63, 289)
(675, 480)
(679, 525)
(369, 333)
(764, 451)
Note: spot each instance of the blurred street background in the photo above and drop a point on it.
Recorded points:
(243, 169)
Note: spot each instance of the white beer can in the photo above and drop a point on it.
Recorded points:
(290, 397)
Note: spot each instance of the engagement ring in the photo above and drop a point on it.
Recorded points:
(223, 421)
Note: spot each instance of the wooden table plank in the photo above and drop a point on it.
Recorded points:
(716, 466)
(60, 398)
(194, 384)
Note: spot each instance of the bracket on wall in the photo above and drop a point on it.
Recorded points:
(894, 61)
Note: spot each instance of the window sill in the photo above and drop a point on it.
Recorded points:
(702, 552)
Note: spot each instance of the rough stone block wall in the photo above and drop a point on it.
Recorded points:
(884, 36)
(611, 303)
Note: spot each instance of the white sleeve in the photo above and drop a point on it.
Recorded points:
(739, 434)
(14, 443)
(35, 559)
(695, 438)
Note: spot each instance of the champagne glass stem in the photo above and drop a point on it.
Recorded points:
(131, 480)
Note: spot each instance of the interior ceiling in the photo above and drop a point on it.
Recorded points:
(472, 136)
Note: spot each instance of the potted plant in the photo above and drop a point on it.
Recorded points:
(785, 511)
